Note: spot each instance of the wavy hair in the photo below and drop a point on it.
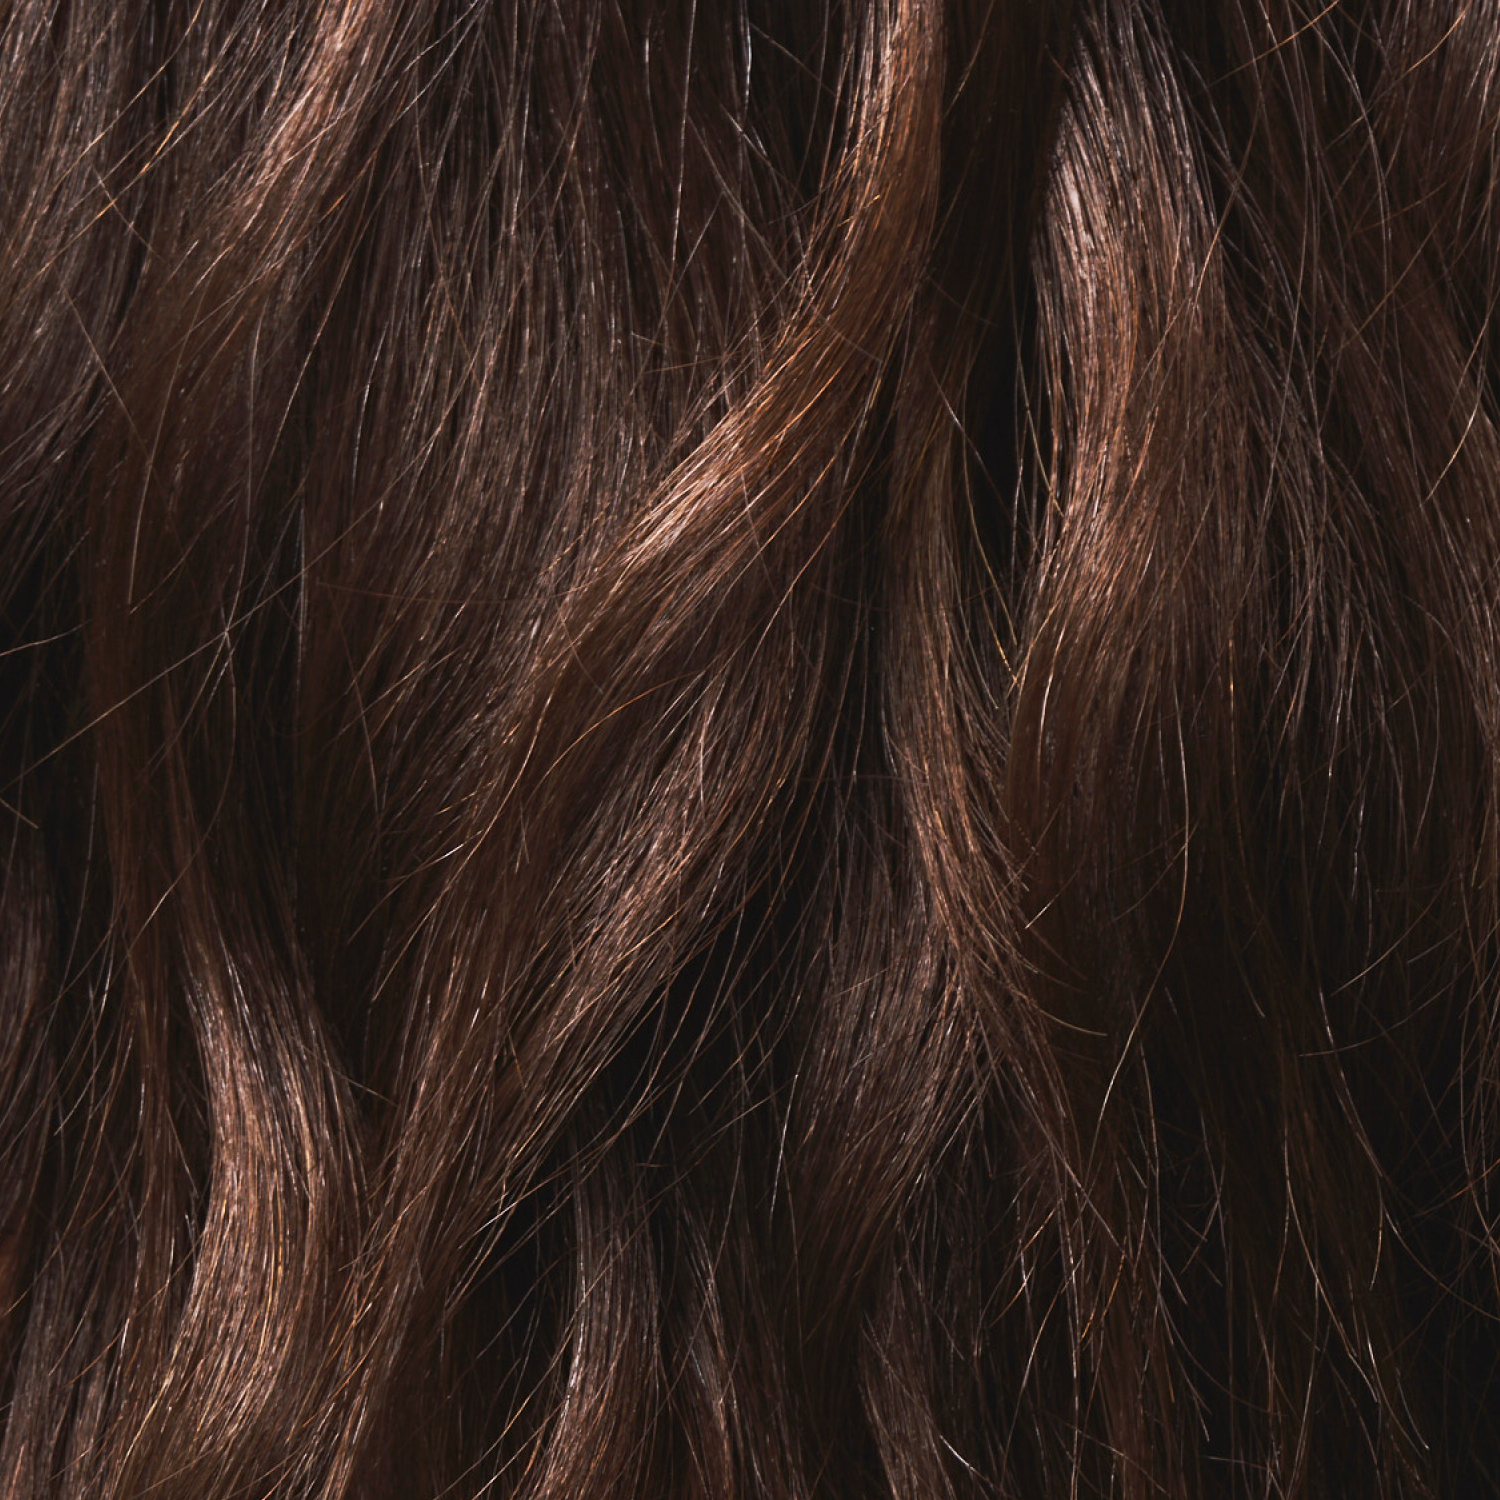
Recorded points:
(749, 748)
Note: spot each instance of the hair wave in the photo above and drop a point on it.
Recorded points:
(749, 748)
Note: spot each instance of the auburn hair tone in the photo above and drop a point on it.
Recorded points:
(750, 749)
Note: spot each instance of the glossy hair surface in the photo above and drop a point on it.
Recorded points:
(749, 748)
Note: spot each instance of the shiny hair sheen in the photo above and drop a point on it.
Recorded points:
(749, 748)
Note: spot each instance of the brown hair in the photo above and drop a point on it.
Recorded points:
(750, 748)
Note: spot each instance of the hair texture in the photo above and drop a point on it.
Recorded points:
(749, 748)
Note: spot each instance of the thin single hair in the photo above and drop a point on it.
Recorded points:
(749, 749)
